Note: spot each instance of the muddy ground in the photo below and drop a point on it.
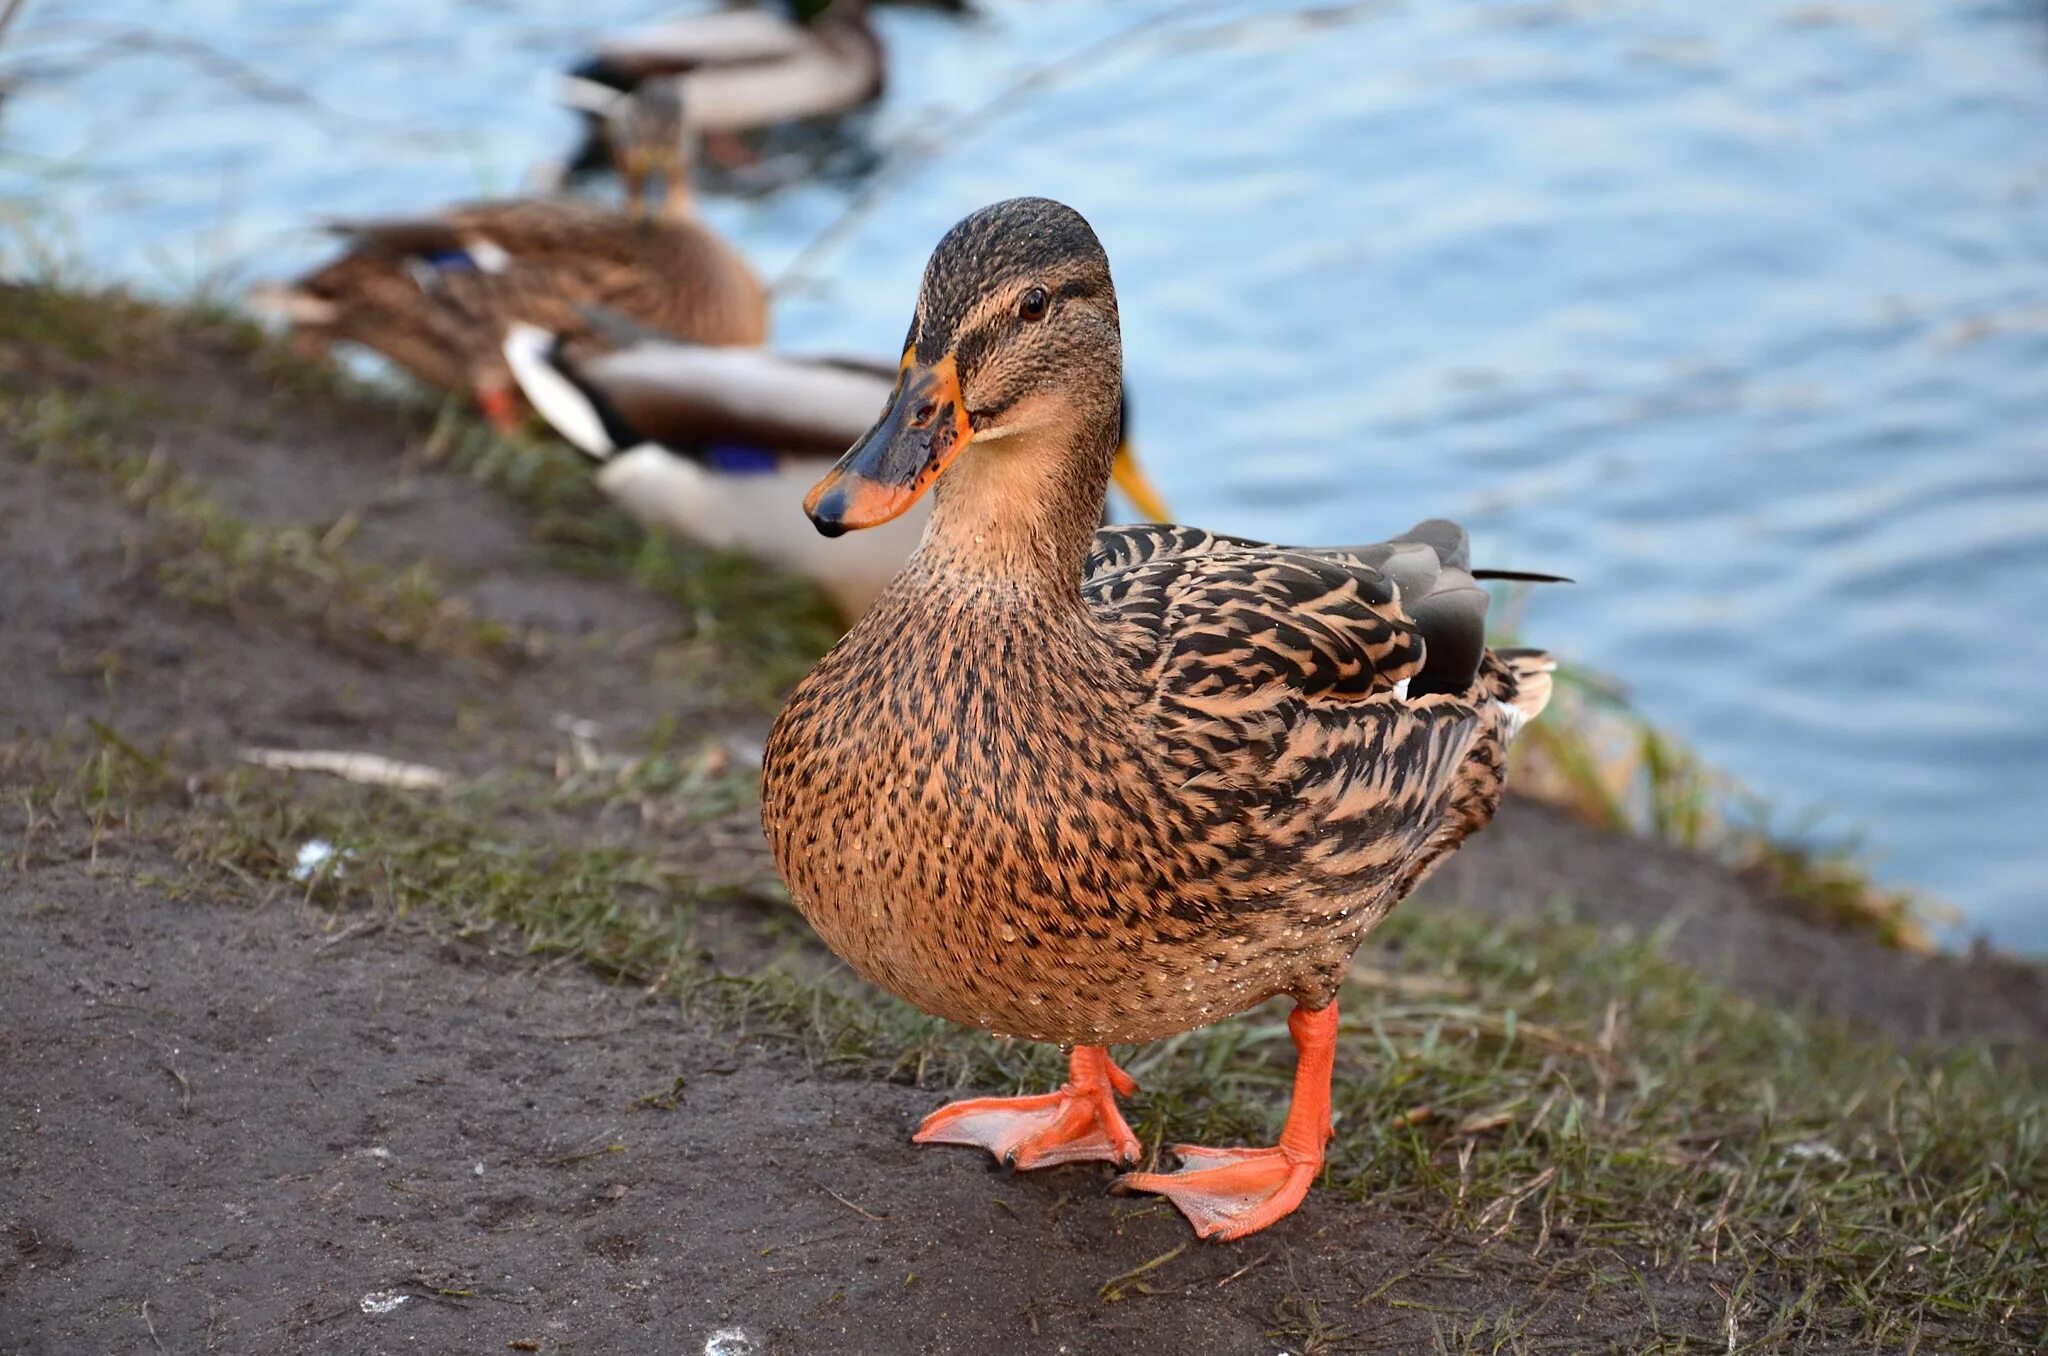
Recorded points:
(231, 1124)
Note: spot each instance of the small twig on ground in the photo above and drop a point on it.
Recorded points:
(184, 1084)
(864, 1214)
(368, 769)
(350, 933)
(145, 1304)
(1505, 1208)
(1246, 1269)
(1114, 1289)
(593, 1034)
(597, 1148)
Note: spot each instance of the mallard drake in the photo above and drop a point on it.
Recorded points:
(718, 446)
(735, 70)
(1090, 786)
(436, 293)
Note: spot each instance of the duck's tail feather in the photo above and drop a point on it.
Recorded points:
(292, 304)
(1533, 671)
(1524, 576)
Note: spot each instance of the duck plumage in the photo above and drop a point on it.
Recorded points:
(1091, 786)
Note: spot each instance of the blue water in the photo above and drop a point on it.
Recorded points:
(1737, 313)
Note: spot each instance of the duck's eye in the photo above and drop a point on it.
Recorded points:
(1033, 304)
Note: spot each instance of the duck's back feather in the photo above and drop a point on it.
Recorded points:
(1353, 598)
(438, 292)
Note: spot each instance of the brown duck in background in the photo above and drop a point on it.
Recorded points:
(1089, 786)
(436, 294)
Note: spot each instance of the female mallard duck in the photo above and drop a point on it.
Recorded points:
(435, 294)
(718, 445)
(1092, 786)
(736, 70)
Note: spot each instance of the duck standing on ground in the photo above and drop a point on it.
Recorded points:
(1091, 786)
(718, 446)
(435, 294)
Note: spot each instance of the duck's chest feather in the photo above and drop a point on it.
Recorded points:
(967, 813)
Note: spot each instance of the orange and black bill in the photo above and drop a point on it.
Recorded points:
(922, 430)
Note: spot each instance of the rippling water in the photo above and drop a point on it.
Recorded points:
(1738, 313)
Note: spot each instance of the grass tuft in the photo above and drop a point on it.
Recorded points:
(207, 555)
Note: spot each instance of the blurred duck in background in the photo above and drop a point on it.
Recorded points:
(718, 446)
(734, 71)
(436, 293)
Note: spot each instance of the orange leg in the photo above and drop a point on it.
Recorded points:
(502, 406)
(1228, 1193)
(1078, 1123)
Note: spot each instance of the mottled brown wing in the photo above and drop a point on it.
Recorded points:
(374, 301)
(548, 261)
(1422, 577)
(560, 257)
(1228, 619)
(1279, 683)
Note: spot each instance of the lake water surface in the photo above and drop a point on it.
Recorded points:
(1737, 313)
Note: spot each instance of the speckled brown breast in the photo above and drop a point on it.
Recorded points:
(972, 821)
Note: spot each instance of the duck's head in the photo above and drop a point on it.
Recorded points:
(650, 142)
(1013, 361)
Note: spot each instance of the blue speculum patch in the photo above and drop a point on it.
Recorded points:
(739, 459)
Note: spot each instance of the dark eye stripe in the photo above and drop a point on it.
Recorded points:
(974, 346)
(988, 412)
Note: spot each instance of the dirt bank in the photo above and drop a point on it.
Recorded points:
(230, 1121)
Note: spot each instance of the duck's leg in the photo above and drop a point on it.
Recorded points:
(1076, 1124)
(501, 405)
(1228, 1193)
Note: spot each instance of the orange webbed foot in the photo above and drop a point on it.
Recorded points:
(1077, 1124)
(1228, 1193)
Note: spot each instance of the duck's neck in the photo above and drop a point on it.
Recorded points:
(1016, 515)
